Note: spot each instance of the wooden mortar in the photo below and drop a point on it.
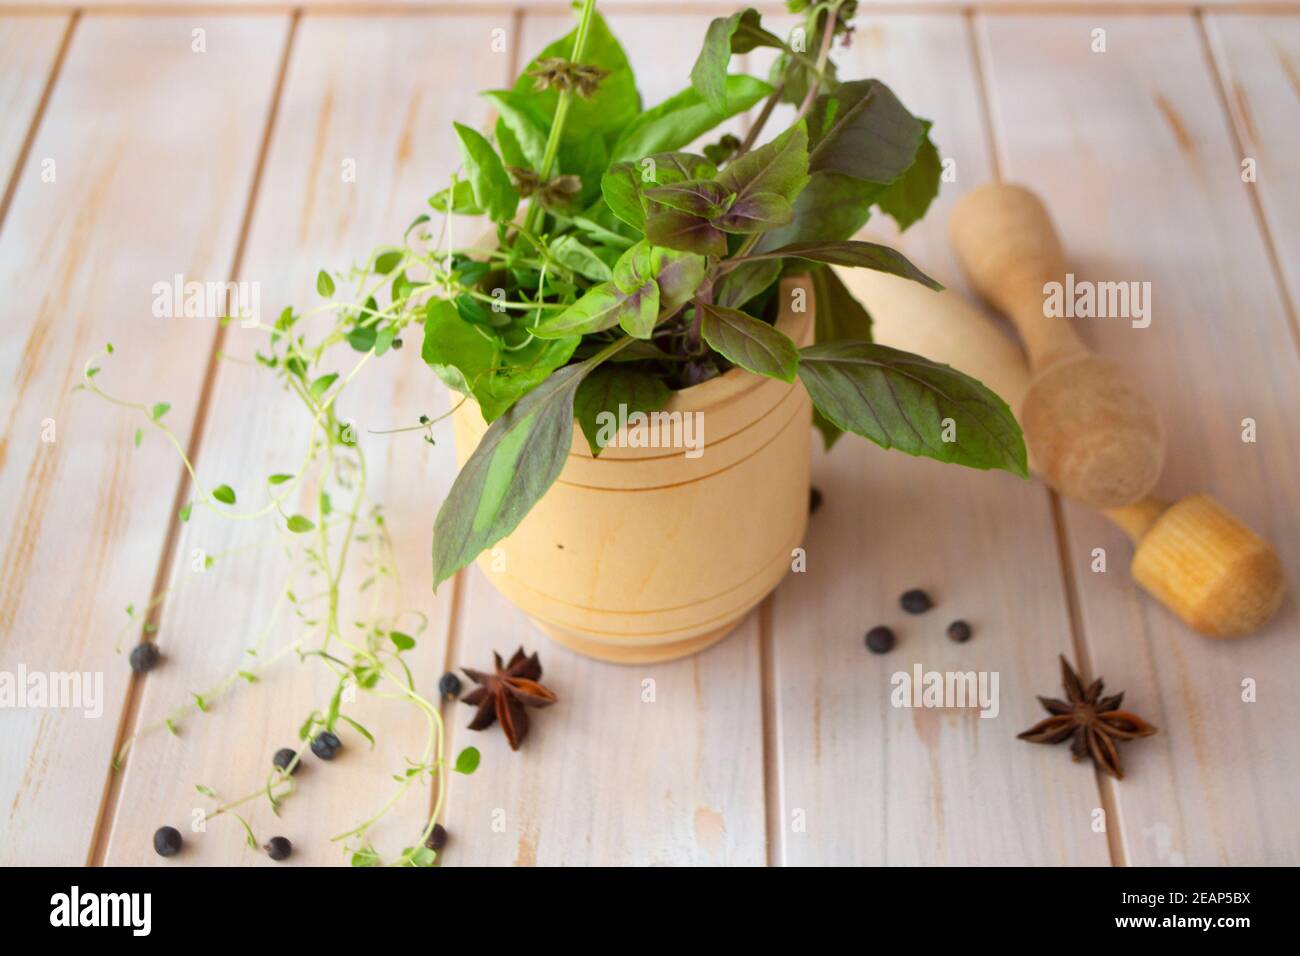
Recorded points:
(643, 554)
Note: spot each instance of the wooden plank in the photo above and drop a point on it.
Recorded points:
(641, 765)
(1258, 59)
(861, 781)
(663, 7)
(149, 181)
(1134, 157)
(343, 102)
(29, 47)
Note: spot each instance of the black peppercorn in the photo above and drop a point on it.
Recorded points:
(284, 756)
(959, 631)
(278, 848)
(144, 656)
(915, 601)
(438, 838)
(325, 745)
(167, 841)
(880, 640)
(814, 500)
(449, 686)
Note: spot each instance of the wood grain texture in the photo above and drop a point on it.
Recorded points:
(645, 764)
(150, 178)
(343, 101)
(861, 781)
(1258, 59)
(1131, 151)
(357, 7)
(29, 47)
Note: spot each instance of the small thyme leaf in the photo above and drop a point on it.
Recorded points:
(467, 761)
(298, 524)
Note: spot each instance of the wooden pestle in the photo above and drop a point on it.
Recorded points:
(1096, 436)
(1194, 557)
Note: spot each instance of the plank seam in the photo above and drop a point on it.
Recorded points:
(772, 810)
(130, 710)
(38, 115)
(460, 584)
(1219, 74)
(1105, 792)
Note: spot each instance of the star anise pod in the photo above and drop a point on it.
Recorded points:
(557, 72)
(502, 696)
(1094, 722)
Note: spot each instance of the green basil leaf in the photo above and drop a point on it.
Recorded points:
(757, 212)
(615, 102)
(900, 400)
(299, 524)
(403, 642)
(572, 254)
(528, 128)
(853, 252)
(598, 231)
(750, 35)
(458, 199)
(528, 366)
(700, 197)
(622, 191)
(681, 230)
(831, 206)
(518, 459)
(839, 315)
(747, 280)
(604, 390)
(909, 196)
(324, 284)
(597, 310)
(459, 355)
(623, 183)
(640, 311)
(780, 167)
(635, 266)
(678, 275)
(829, 430)
(682, 118)
(225, 494)
(860, 129)
(493, 191)
(748, 342)
(723, 38)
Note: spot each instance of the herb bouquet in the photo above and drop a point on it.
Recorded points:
(643, 282)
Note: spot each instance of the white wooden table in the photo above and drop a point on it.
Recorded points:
(126, 158)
